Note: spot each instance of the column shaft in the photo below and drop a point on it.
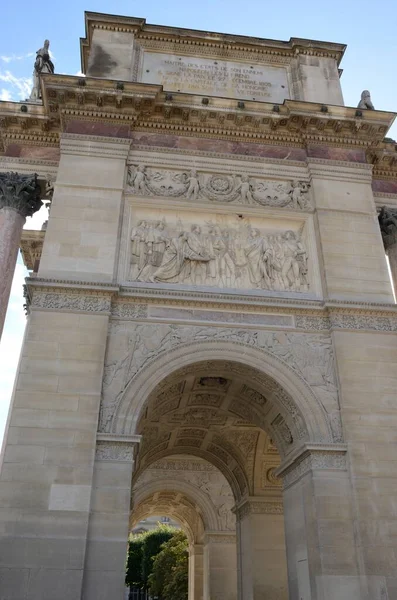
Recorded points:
(19, 198)
(11, 224)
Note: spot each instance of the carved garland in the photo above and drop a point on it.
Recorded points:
(217, 187)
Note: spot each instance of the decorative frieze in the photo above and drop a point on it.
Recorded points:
(129, 310)
(81, 302)
(366, 322)
(217, 187)
(310, 458)
(259, 506)
(220, 538)
(114, 451)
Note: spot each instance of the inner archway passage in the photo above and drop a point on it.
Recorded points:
(290, 399)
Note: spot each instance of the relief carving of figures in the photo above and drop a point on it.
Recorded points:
(239, 257)
(131, 349)
(241, 189)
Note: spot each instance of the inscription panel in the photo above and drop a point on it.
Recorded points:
(216, 78)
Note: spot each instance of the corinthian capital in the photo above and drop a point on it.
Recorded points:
(388, 226)
(20, 192)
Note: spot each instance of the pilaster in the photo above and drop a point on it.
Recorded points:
(108, 528)
(220, 561)
(81, 241)
(261, 549)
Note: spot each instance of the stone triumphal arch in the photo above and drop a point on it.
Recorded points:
(211, 329)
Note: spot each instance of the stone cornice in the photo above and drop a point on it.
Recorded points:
(310, 457)
(258, 505)
(145, 107)
(215, 308)
(384, 159)
(101, 147)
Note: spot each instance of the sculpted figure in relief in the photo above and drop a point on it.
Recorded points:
(136, 178)
(241, 257)
(194, 185)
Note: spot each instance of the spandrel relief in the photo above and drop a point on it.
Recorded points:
(223, 252)
(219, 187)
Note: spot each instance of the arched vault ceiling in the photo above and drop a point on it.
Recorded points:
(228, 416)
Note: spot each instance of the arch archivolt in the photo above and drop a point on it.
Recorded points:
(191, 490)
(293, 371)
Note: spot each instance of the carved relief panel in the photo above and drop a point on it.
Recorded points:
(220, 250)
(235, 188)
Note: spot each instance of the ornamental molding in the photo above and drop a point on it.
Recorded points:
(220, 538)
(146, 107)
(259, 506)
(138, 150)
(114, 452)
(101, 147)
(27, 165)
(94, 302)
(47, 295)
(213, 308)
(311, 457)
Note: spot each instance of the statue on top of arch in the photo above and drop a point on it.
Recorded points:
(43, 64)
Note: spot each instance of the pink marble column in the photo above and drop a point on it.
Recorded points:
(19, 198)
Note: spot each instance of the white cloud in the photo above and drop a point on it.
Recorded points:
(13, 57)
(17, 86)
(5, 95)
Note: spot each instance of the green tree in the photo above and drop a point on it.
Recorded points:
(169, 577)
(133, 573)
(142, 549)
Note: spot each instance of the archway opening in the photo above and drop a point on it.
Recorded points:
(237, 421)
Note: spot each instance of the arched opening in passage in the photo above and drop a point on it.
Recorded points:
(241, 423)
(196, 495)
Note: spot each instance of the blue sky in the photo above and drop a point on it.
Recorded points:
(368, 29)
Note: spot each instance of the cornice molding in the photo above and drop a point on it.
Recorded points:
(214, 309)
(101, 147)
(146, 107)
(257, 505)
(311, 457)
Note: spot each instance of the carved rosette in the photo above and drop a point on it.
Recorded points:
(20, 192)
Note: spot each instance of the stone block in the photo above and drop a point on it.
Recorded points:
(14, 583)
(55, 584)
(67, 497)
